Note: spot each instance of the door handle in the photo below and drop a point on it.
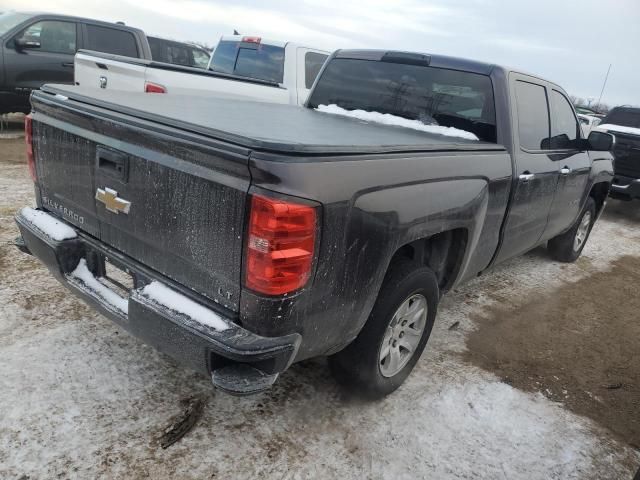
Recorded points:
(111, 163)
(565, 171)
(526, 177)
(67, 64)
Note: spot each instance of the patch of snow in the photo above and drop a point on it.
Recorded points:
(610, 127)
(393, 120)
(48, 224)
(83, 274)
(175, 301)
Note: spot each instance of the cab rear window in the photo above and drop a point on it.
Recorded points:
(264, 62)
(434, 96)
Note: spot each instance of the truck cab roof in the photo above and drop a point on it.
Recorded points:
(434, 60)
(56, 16)
(264, 41)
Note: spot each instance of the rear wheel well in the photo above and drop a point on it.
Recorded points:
(442, 253)
(599, 193)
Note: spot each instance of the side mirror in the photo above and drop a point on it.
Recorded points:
(601, 141)
(22, 43)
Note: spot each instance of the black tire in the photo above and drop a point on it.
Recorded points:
(563, 247)
(357, 367)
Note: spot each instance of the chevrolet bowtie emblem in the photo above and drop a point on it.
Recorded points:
(112, 201)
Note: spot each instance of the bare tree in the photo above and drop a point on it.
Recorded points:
(577, 101)
(601, 107)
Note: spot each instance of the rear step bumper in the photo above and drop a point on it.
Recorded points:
(625, 187)
(238, 361)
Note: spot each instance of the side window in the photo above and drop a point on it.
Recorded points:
(533, 116)
(200, 58)
(564, 127)
(179, 55)
(312, 64)
(111, 40)
(157, 50)
(53, 36)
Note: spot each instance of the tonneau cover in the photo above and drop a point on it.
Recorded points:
(261, 126)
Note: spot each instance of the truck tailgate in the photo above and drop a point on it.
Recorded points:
(170, 199)
(109, 73)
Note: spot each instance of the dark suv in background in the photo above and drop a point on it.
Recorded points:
(38, 48)
(624, 123)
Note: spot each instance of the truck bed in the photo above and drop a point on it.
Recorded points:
(262, 126)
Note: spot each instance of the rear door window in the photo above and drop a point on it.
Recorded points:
(312, 64)
(111, 40)
(533, 116)
(564, 127)
(53, 36)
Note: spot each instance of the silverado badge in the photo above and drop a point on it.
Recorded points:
(112, 201)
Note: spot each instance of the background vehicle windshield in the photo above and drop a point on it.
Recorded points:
(624, 118)
(9, 20)
(434, 96)
(265, 62)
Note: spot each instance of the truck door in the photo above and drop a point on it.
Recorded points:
(48, 59)
(572, 164)
(536, 173)
(309, 65)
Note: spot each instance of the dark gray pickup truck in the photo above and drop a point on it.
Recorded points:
(241, 237)
(624, 123)
(38, 48)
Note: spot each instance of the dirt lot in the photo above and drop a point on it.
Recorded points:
(532, 372)
(577, 344)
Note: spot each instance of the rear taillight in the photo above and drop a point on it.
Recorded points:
(280, 245)
(28, 140)
(154, 88)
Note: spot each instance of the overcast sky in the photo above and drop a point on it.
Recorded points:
(569, 42)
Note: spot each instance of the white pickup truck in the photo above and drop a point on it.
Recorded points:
(241, 66)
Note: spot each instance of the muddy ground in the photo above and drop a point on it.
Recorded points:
(532, 372)
(578, 345)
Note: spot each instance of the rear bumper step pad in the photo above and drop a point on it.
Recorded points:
(231, 356)
(625, 186)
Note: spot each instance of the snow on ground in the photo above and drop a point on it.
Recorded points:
(80, 398)
(393, 120)
(48, 224)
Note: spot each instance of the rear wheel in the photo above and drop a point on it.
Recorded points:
(568, 246)
(391, 342)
